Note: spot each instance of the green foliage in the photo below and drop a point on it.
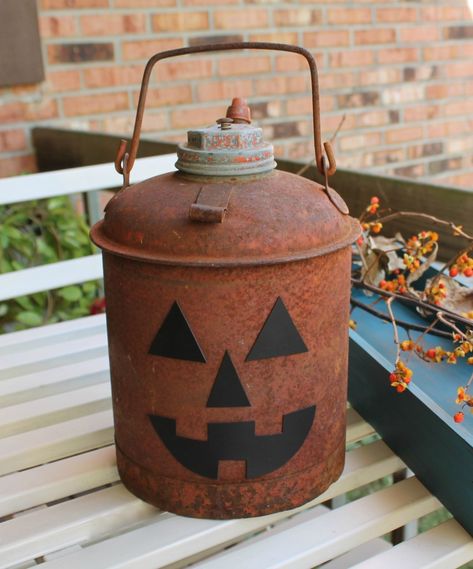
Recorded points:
(37, 233)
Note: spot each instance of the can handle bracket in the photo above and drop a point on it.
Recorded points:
(125, 169)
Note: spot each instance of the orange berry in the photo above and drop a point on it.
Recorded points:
(459, 417)
(453, 271)
(430, 353)
(374, 199)
(468, 272)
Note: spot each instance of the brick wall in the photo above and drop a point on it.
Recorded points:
(401, 73)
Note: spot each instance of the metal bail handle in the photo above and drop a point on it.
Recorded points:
(125, 169)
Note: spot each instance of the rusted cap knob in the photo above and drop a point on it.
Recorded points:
(239, 111)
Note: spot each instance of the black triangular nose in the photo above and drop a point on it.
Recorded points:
(227, 390)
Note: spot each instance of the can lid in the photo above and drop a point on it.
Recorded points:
(231, 147)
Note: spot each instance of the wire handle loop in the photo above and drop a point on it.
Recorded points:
(125, 169)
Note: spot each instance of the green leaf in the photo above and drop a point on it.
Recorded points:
(3, 309)
(29, 318)
(70, 293)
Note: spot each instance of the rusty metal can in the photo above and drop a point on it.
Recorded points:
(227, 286)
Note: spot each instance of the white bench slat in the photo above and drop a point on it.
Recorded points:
(79, 180)
(446, 546)
(169, 540)
(54, 409)
(44, 335)
(54, 355)
(60, 379)
(48, 277)
(71, 522)
(316, 541)
(357, 428)
(55, 441)
(52, 481)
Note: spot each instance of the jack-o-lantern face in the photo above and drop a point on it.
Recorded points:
(233, 440)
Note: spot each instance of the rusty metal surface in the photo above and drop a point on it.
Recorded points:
(319, 150)
(226, 310)
(225, 149)
(211, 204)
(272, 218)
(239, 111)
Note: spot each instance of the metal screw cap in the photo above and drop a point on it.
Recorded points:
(225, 123)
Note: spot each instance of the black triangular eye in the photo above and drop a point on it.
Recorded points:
(227, 390)
(175, 338)
(278, 337)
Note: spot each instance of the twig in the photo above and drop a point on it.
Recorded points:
(389, 301)
(358, 283)
(455, 228)
(442, 319)
(402, 323)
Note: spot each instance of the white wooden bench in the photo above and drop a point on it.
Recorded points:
(62, 504)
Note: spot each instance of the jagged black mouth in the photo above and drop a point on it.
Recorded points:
(237, 441)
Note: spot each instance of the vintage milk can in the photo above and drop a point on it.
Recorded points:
(227, 287)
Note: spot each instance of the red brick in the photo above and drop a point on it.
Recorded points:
(297, 17)
(419, 34)
(57, 26)
(398, 55)
(448, 128)
(338, 80)
(364, 140)
(380, 76)
(463, 107)
(244, 65)
(113, 76)
(167, 96)
(282, 85)
(373, 118)
(404, 134)
(462, 180)
(427, 149)
(180, 21)
(290, 63)
(282, 37)
(396, 14)
(303, 105)
(72, 4)
(358, 99)
(113, 24)
(202, 39)
(94, 104)
(144, 49)
(387, 156)
(421, 113)
(375, 36)
(12, 140)
(444, 90)
(444, 13)
(403, 93)
(216, 91)
(240, 19)
(80, 52)
(349, 16)
(464, 69)
(189, 118)
(183, 69)
(412, 171)
(153, 122)
(330, 38)
(16, 165)
(209, 2)
(144, 3)
(351, 58)
(40, 110)
(330, 123)
(63, 80)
